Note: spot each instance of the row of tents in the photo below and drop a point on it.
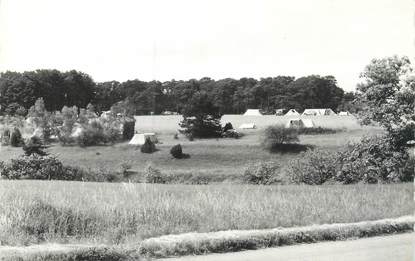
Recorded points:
(293, 112)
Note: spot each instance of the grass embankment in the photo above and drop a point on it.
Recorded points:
(75, 212)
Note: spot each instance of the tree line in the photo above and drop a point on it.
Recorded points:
(19, 91)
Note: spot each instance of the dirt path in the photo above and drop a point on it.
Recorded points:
(386, 248)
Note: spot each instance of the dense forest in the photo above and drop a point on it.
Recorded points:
(19, 91)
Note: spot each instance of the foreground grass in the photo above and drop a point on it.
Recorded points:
(76, 212)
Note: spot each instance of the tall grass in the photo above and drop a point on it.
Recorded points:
(73, 212)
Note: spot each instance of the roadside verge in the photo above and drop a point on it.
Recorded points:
(237, 240)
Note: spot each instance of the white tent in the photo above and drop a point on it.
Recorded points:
(140, 138)
(318, 112)
(344, 113)
(252, 112)
(299, 123)
(292, 112)
(248, 126)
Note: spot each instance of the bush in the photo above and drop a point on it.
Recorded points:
(5, 137)
(176, 136)
(34, 167)
(153, 175)
(232, 134)
(228, 126)
(176, 151)
(148, 146)
(34, 146)
(201, 126)
(372, 160)
(16, 139)
(313, 167)
(92, 134)
(125, 166)
(263, 173)
(278, 135)
(128, 129)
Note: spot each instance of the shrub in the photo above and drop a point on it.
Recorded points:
(34, 146)
(34, 167)
(232, 134)
(176, 151)
(176, 136)
(313, 167)
(73, 173)
(5, 137)
(125, 166)
(372, 160)
(263, 173)
(277, 135)
(148, 146)
(93, 134)
(16, 139)
(201, 126)
(153, 175)
(128, 129)
(228, 126)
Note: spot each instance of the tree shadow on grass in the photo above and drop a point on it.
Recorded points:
(290, 148)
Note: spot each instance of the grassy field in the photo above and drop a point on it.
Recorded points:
(116, 213)
(224, 159)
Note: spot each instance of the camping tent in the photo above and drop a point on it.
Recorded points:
(140, 138)
(248, 126)
(318, 112)
(344, 113)
(252, 112)
(299, 123)
(292, 112)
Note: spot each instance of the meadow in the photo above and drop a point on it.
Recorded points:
(220, 160)
(126, 213)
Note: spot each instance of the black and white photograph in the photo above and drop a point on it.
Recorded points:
(207, 130)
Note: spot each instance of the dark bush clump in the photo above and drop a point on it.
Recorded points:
(5, 137)
(176, 152)
(232, 134)
(264, 173)
(228, 126)
(128, 129)
(34, 146)
(148, 146)
(34, 167)
(278, 138)
(16, 139)
(372, 160)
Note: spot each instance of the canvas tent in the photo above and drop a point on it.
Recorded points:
(252, 112)
(140, 138)
(248, 126)
(318, 112)
(344, 113)
(292, 112)
(299, 123)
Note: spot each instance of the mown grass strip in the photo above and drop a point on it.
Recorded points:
(231, 241)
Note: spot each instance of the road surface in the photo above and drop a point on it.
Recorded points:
(386, 248)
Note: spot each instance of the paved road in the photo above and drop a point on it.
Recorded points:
(387, 248)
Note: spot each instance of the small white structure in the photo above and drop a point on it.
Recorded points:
(318, 112)
(252, 112)
(344, 113)
(140, 138)
(292, 112)
(299, 123)
(248, 126)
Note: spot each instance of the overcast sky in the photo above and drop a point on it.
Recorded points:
(170, 39)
